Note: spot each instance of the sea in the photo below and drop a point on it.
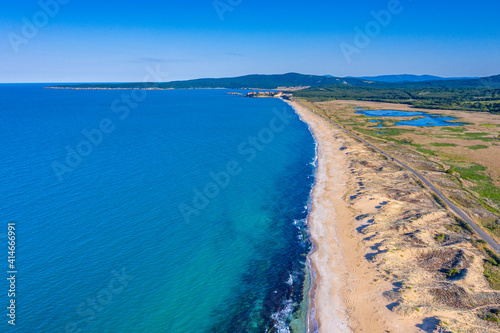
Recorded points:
(152, 211)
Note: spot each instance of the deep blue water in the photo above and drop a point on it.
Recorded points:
(428, 120)
(186, 213)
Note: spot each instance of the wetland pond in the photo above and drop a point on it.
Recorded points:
(424, 120)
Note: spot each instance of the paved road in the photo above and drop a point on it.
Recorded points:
(459, 212)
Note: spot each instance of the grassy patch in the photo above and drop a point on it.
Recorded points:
(420, 183)
(439, 200)
(491, 266)
(490, 125)
(460, 227)
(477, 147)
(443, 144)
(395, 131)
(427, 151)
(405, 142)
(494, 226)
(481, 139)
(492, 274)
(454, 129)
(484, 186)
(464, 225)
(475, 134)
(473, 173)
(490, 318)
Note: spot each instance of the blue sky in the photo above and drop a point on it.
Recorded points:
(116, 41)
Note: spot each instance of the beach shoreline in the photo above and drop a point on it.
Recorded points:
(311, 322)
(385, 243)
(326, 309)
(320, 302)
(342, 296)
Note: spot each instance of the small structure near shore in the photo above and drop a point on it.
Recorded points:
(267, 94)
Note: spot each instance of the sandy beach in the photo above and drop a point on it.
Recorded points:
(346, 298)
(384, 245)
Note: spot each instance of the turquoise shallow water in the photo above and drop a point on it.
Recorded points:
(186, 215)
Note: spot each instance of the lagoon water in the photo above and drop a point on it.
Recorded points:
(429, 121)
(187, 215)
(390, 113)
(426, 120)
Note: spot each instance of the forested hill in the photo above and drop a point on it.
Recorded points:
(484, 99)
(243, 82)
(462, 94)
(295, 80)
(485, 82)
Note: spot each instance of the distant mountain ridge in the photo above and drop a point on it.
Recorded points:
(489, 82)
(254, 81)
(470, 95)
(481, 94)
(403, 78)
(275, 81)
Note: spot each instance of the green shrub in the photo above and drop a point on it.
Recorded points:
(452, 273)
(440, 238)
(451, 170)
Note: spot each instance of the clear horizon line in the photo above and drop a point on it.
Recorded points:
(224, 77)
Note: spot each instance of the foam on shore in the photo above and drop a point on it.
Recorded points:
(326, 308)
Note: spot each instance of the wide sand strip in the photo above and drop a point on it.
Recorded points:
(346, 298)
